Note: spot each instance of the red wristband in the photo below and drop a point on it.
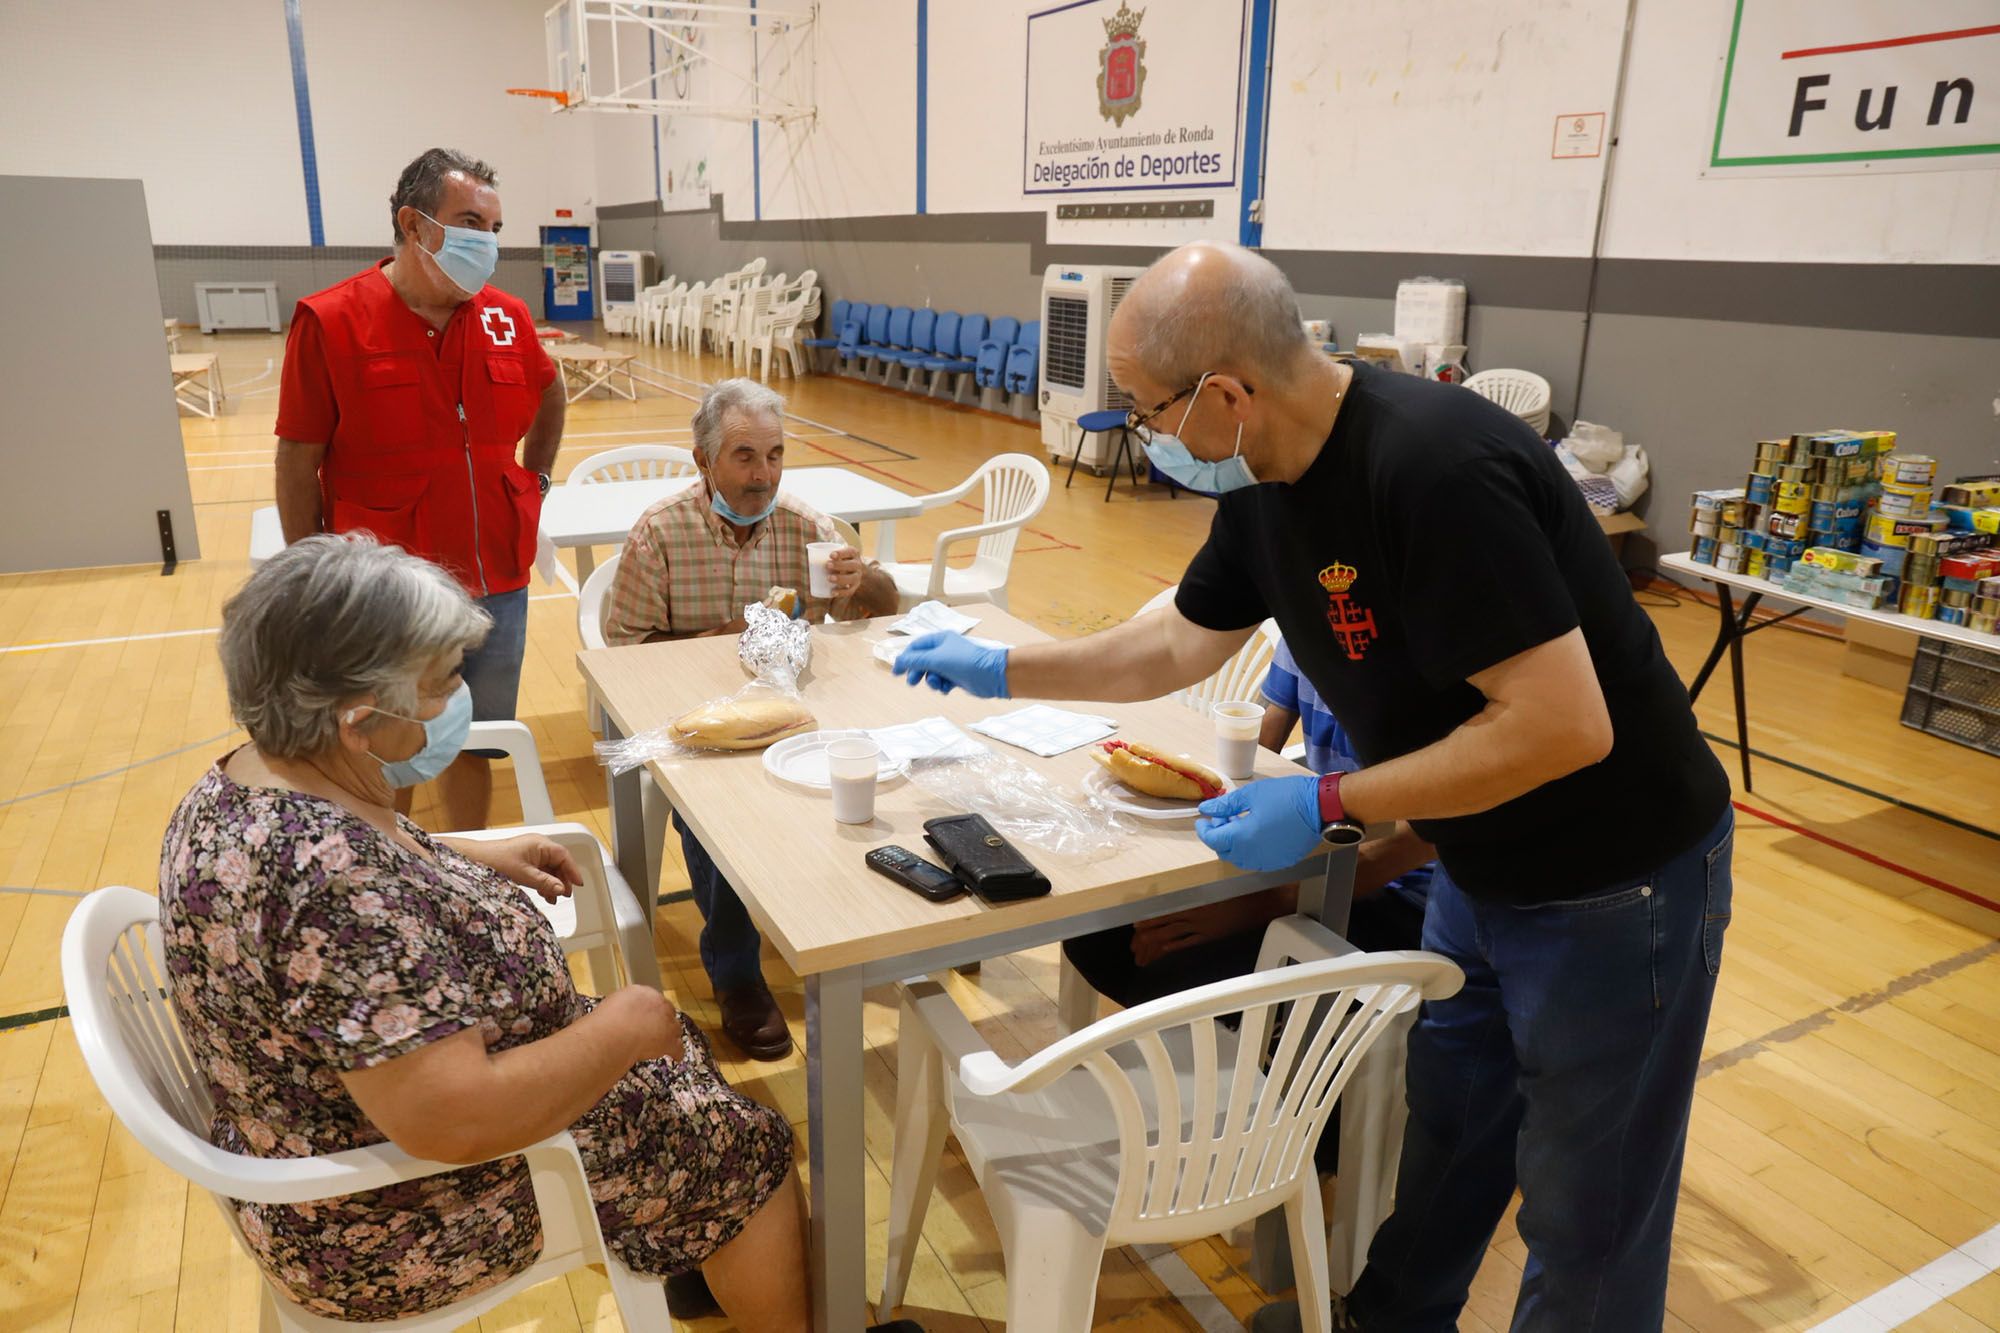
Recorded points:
(1331, 811)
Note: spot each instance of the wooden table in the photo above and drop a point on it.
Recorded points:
(1737, 626)
(601, 513)
(586, 366)
(840, 926)
(197, 381)
(173, 335)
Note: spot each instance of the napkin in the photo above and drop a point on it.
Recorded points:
(888, 650)
(929, 617)
(1046, 731)
(926, 738)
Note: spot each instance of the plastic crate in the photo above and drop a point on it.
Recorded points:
(1954, 693)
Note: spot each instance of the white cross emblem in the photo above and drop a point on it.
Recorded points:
(493, 315)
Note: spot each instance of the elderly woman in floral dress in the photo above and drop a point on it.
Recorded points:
(345, 978)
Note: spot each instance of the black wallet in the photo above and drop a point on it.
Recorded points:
(984, 861)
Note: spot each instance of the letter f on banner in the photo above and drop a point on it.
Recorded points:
(1802, 101)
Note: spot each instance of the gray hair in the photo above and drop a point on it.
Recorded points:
(421, 186)
(330, 618)
(1250, 321)
(726, 396)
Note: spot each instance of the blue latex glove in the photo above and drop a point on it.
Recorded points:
(1265, 825)
(948, 661)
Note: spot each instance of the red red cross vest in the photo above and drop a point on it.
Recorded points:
(421, 461)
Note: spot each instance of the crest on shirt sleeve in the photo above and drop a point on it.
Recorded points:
(499, 326)
(1353, 625)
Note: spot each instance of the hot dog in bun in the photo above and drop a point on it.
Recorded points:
(742, 724)
(1153, 772)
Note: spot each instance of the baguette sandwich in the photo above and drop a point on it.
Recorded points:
(741, 724)
(1152, 772)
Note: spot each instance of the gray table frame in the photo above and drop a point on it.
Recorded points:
(836, 1051)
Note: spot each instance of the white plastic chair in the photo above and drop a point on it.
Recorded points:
(115, 982)
(1522, 392)
(1154, 1126)
(631, 462)
(780, 331)
(692, 315)
(654, 808)
(1016, 487)
(1241, 678)
(604, 917)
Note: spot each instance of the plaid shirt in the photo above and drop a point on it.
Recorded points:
(680, 572)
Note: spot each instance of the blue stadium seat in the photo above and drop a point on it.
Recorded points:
(849, 346)
(923, 323)
(1024, 362)
(989, 365)
(971, 332)
(943, 342)
(895, 338)
(837, 323)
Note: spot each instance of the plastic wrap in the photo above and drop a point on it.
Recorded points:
(1022, 804)
(775, 649)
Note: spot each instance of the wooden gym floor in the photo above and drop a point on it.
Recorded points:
(1847, 1124)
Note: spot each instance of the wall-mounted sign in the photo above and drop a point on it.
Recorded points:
(1859, 85)
(1125, 99)
(1579, 136)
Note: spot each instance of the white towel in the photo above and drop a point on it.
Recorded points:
(1046, 731)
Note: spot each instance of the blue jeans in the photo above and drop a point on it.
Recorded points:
(493, 670)
(1566, 1065)
(729, 941)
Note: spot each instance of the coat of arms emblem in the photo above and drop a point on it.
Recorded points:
(1121, 75)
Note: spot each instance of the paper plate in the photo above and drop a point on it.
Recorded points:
(1099, 783)
(801, 760)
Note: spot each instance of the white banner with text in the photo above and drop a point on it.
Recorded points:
(1122, 99)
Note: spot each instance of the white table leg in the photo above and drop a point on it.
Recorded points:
(628, 821)
(885, 540)
(834, 1053)
(586, 561)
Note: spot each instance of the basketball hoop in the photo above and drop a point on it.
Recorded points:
(561, 99)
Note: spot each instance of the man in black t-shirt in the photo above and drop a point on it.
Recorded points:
(1447, 592)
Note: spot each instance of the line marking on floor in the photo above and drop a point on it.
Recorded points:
(114, 772)
(1907, 1297)
(51, 893)
(1853, 1004)
(32, 1017)
(93, 643)
(1883, 862)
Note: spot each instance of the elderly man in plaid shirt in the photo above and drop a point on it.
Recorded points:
(690, 566)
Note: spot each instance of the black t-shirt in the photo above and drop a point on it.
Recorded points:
(1433, 537)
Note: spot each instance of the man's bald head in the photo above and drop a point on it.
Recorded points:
(1210, 306)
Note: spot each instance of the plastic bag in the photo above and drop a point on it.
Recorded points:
(1019, 802)
(1596, 447)
(774, 648)
(1629, 475)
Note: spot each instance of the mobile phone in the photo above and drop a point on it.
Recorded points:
(914, 873)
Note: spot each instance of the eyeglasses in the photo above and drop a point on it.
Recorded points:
(1136, 421)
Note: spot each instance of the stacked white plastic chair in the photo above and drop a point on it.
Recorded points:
(1522, 392)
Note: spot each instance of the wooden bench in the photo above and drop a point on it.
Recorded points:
(586, 366)
(197, 382)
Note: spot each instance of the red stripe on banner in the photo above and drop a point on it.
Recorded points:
(1952, 36)
(1927, 880)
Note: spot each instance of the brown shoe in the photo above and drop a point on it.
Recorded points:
(751, 1017)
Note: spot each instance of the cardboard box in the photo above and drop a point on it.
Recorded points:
(1878, 654)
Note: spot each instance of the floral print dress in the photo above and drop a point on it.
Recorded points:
(301, 942)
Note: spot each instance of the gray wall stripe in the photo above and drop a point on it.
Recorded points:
(1956, 300)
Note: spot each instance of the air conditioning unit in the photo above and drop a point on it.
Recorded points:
(1077, 301)
(621, 276)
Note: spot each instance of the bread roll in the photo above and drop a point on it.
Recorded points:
(742, 724)
(1152, 772)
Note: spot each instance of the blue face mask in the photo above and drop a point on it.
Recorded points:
(729, 511)
(1171, 457)
(444, 737)
(466, 257)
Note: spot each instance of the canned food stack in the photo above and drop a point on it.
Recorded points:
(1847, 577)
(1967, 587)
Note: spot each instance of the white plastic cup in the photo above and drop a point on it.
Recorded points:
(1236, 726)
(817, 556)
(851, 765)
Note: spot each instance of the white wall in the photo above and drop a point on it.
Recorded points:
(1429, 126)
(196, 101)
(1663, 208)
(193, 99)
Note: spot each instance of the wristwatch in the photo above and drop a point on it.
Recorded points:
(544, 480)
(1336, 829)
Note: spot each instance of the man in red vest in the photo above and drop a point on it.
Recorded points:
(405, 392)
